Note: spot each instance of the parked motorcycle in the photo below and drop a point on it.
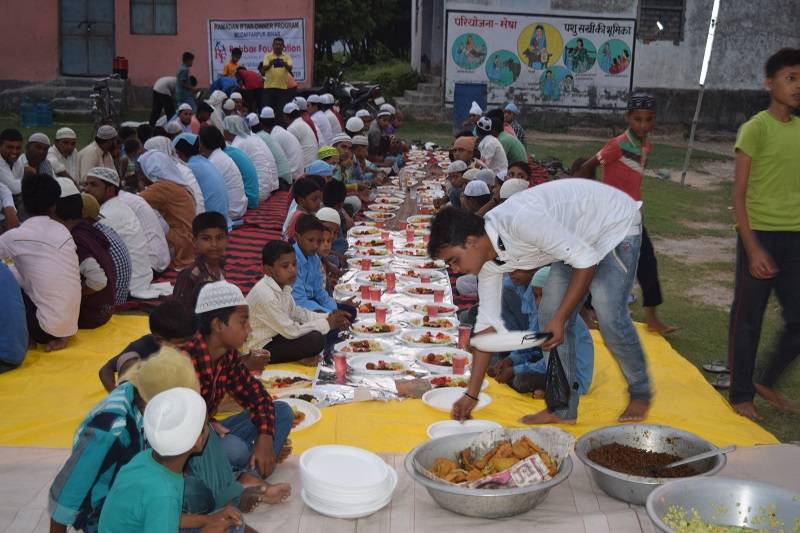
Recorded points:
(350, 97)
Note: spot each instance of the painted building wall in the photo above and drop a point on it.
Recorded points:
(31, 37)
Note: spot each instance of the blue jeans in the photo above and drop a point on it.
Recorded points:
(610, 288)
(238, 444)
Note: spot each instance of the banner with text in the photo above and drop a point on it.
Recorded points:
(548, 60)
(255, 37)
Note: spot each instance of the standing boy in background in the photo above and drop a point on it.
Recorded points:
(183, 83)
(276, 68)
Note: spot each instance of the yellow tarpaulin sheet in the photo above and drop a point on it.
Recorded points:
(44, 400)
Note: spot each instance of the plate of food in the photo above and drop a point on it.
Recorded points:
(366, 253)
(445, 428)
(371, 277)
(418, 232)
(438, 323)
(440, 360)
(421, 290)
(369, 242)
(444, 398)
(305, 413)
(367, 223)
(388, 200)
(378, 364)
(439, 381)
(414, 275)
(374, 263)
(423, 338)
(412, 252)
(311, 396)
(441, 309)
(413, 245)
(283, 379)
(387, 189)
(383, 207)
(362, 346)
(347, 289)
(425, 265)
(378, 215)
(420, 219)
(371, 329)
(363, 231)
(366, 309)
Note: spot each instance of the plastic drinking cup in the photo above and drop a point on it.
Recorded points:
(409, 235)
(438, 295)
(425, 278)
(375, 294)
(365, 264)
(391, 280)
(464, 333)
(433, 310)
(365, 292)
(380, 314)
(340, 366)
(459, 363)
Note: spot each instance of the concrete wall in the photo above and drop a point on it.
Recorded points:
(31, 36)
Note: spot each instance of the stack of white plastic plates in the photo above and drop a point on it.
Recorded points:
(345, 482)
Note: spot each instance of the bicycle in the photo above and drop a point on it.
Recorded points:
(104, 110)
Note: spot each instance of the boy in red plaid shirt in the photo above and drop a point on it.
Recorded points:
(255, 439)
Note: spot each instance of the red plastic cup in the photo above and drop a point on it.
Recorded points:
(403, 226)
(365, 264)
(384, 236)
(433, 310)
(464, 333)
(409, 235)
(425, 278)
(426, 238)
(438, 295)
(459, 363)
(391, 280)
(375, 294)
(390, 246)
(340, 366)
(380, 314)
(365, 292)
(379, 224)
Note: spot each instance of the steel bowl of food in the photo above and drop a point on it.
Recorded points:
(491, 500)
(723, 504)
(627, 461)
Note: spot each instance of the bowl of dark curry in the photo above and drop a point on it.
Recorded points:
(628, 461)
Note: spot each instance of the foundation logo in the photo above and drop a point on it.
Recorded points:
(220, 54)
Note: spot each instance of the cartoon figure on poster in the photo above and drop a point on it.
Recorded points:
(469, 51)
(579, 55)
(503, 68)
(539, 45)
(614, 57)
(555, 83)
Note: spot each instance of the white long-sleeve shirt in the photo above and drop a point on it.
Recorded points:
(274, 312)
(263, 160)
(121, 218)
(291, 147)
(308, 141)
(8, 178)
(576, 221)
(154, 233)
(492, 153)
(336, 128)
(64, 164)
(234, 184)
(323, 128)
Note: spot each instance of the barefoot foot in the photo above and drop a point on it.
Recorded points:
(544, 417)
(635, 412)
(747, 410)
(276, 493)
(778, 400)
(250, 498)
(56, 344)
(538, 394)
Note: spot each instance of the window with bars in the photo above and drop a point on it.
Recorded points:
(661, 20)
(154, 17)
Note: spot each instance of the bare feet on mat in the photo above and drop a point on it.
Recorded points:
(747, 410)
(250, 498)
(263, 493)
(654, 324)
(635, 412)
(543, 417)
(778, 400)
(538, 394)
(311, 361)
(56, 344)
(286, 451)
(276, 493)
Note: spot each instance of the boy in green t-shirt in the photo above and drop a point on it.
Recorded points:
(766, 203)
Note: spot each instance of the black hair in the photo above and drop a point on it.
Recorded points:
(523, 166)
(273, 250)
(308, 223)
(159, 131)
(303, 187)
(481, 200)
(497, 118)
(569, 76)
(451, 226)
(334, 193)
(144, 132)
(577, 164)
(319, 180)
(187, 56)
(173, 320)
(785, 57)
(294, 114)
(579, 41)
(209, 220)
(184, 148)
(211, 138)
(40, 192)
(126, 132)
(192, 81)
(204, 319)
(278, 40)
(204, 106)
(10, 134)
(236, 52)
(70, 207)
(464, 133)
(131, 145)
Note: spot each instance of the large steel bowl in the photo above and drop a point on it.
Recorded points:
(481, 503)
(726, 501)
(652, 437)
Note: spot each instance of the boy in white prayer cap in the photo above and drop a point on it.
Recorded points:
(62, 155)
(475, 113)
(98, 152)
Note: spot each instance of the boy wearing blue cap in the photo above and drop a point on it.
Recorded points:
(510, 113)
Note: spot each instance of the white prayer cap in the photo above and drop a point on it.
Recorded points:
(456, 166)
(512, 186)
(267, 112)
(354, 202)
(354, 124)
(327, 99)
(68, 187)
(340, 138)
(388, 107)
(109, 175)
(161, 122)
(218, 295)
(302, 105)
(106, 133)
(290, 108)
(65, 133)
(485, 124)
(229, 105)
(39, 138)
(314, 99)
(252, 119)
(174, 420)
(471, 174)
(486, 175)
(502, 175)
(475, 109)
(476, 188)
(184, 107)
(360, 140)
(173, 128)
(363, 113)
(328, 214)
(384, 114)
(236, 96)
